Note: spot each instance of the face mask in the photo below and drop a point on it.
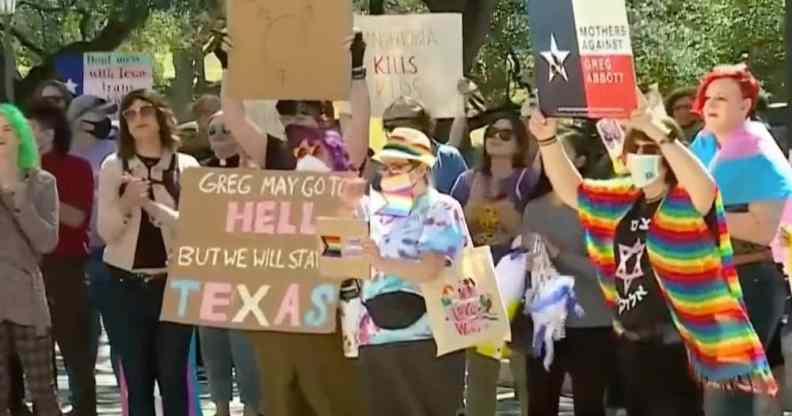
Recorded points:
(101, 129)
(398, 193)
(225, 150)
(644, 169)
(311, 163)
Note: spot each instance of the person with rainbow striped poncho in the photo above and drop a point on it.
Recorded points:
(660, 243)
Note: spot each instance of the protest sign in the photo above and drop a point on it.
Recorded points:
(245, 255)
(114, 75)
(584, 60)
(109, 75)
(290, 49)
(419, 56)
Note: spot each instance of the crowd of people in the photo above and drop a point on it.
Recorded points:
(667, 242)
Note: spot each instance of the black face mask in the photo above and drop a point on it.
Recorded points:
(101, 129)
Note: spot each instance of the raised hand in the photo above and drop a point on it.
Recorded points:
(541, 127)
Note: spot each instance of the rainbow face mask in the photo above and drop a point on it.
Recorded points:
(398, 193)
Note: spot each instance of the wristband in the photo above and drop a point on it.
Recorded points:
(547, 142)
(359, 73)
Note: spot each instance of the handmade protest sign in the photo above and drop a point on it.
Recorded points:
(289, 49)
(419, 56)
(584, 60)
(246, 256)
(107, 75)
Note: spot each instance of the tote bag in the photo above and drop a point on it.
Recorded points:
(464, 305)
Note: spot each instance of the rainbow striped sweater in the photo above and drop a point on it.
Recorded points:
(696, 276)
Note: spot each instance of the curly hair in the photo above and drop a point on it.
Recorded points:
(165, 118)
(28, 155)
(739, 73)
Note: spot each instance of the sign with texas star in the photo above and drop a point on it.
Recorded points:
(584, 60)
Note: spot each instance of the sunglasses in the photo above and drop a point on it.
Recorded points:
(646, 149)
(146, 111)
(506, 135)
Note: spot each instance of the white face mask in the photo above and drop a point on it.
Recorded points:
(644, 169)
(312, 164)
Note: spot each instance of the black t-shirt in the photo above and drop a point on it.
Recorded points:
(640, 304)
(150, 252)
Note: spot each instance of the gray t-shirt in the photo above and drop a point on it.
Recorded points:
(561, 226)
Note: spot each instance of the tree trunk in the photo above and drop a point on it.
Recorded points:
(181, 89)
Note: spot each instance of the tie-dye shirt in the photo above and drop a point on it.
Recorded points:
(435, 225)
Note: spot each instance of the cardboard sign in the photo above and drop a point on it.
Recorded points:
(419, 56)
(341, 253)
(245, 255)
(290, 49)
(107, 75)
(584, 60)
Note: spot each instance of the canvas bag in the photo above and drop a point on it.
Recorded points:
(464, 305)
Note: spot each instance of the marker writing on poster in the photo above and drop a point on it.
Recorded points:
(219, 302)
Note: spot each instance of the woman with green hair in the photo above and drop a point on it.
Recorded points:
(29, 226)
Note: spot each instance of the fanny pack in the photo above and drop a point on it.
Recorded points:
(396, 310)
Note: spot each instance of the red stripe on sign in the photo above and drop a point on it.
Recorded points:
(609, 82)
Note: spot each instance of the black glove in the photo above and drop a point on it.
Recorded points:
(358, 50)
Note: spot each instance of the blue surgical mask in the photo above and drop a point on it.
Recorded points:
(644, 169)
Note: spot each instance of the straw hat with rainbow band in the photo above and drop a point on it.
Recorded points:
(406, 144)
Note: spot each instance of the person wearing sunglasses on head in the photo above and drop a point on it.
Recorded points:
(494, 195)
(138, 211)
(659, 241)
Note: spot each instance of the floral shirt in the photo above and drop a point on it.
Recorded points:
(435, 225)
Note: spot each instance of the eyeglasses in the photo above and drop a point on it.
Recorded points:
(686, 107)
(396, 169)
(214, 130)
(146, 111)
(391, 125)
(505, 135)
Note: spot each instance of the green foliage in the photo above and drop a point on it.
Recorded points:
(675, 41)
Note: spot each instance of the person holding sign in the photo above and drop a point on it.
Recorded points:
(138, 197)
(756, 180)
(415, 232)
(661, 247)
(305, 374)
(29, 226)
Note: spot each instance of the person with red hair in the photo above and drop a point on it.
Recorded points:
(756, 182)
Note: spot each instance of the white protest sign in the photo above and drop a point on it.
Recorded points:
(419, 56)
(113, 75)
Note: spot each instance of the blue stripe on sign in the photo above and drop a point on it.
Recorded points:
(557, 18)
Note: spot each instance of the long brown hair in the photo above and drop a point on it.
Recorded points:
(165, 118)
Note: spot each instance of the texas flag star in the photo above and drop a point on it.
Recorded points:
(556, 58)
(71, 86)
